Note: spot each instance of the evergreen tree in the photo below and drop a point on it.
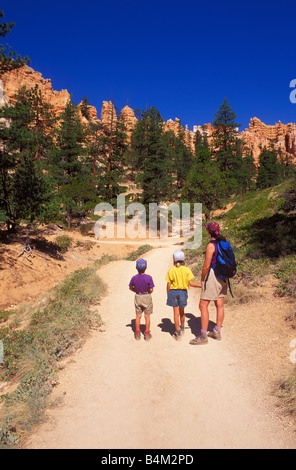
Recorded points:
(30, 191)
(268, 170)
(151, 156)
(8, 58)
(84, 107)
(78, 197)
(25, 137)
(94, 131)
(66, 157)
(69, 166)
(111, 158)
(206, 184)
(225, 136)
(183, 159)
(202, 149)
(286, 165)
(198, 141)
(248, 173)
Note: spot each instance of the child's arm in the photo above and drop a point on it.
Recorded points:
(132, 288)
(168, 287)
(193, 284)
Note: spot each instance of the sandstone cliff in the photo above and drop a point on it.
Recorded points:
(282, 136)
(258, 134)
(26, 76)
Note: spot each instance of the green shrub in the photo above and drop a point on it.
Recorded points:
(139, 252)
(285, 272)
(64, 242)
(285, 389)
(4, 314)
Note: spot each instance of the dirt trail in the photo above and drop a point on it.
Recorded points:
(119, 393)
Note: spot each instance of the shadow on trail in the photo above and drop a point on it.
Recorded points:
(132, 325)
(167, 326)
(194, 323)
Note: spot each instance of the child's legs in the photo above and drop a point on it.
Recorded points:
(138, 322)
(204, 310)
(179, 317)
(182, 316)
(220, 311)
(176, 318)
(147, 322)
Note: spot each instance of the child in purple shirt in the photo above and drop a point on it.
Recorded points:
(142, 284)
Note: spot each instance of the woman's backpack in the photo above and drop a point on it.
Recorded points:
(225, 267)
(225, 264)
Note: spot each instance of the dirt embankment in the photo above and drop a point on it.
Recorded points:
(24, 277)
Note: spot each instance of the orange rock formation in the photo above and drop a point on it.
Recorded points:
(26, 76)
(282, 136)
(258, 134)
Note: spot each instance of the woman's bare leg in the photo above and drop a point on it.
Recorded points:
(204, 310)
(220, 311)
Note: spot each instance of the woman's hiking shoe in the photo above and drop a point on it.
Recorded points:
(177, 335)
(215, 334)
(147, 336)
(137, 336)
(201, 339)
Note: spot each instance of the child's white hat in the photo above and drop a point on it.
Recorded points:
(179, 255)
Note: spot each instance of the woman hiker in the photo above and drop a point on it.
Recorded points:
(212, 288)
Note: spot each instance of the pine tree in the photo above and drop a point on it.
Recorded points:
(25, 138)
(268, 170)
(30, 191)
(84, 107)
(66, 158)
(111, 159)
(225, 135)
(202, 149)
(9, 59)
(94, 131)
(183, 159)
(69, 166)
(151, 156)
(206, 184)
(286, 165)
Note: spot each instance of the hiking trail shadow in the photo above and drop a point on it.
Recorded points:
(194, 323)
(132, 325)
(167, 326)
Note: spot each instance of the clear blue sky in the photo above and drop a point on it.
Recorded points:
(183, 57)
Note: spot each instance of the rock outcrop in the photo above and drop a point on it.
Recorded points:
(127, 116)
(282, 136)
(258, 134)
(26, 76)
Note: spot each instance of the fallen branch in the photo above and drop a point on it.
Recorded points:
(27, 249)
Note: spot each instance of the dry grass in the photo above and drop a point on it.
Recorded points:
(35, 338)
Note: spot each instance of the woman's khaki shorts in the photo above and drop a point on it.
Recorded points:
(143, 304)
(215, 288)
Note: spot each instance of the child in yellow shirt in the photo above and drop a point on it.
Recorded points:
(179, 278)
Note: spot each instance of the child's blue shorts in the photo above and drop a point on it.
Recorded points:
(177, 298)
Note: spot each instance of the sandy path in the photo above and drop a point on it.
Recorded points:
(122, 394)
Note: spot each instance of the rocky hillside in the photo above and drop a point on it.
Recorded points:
(258, 134)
